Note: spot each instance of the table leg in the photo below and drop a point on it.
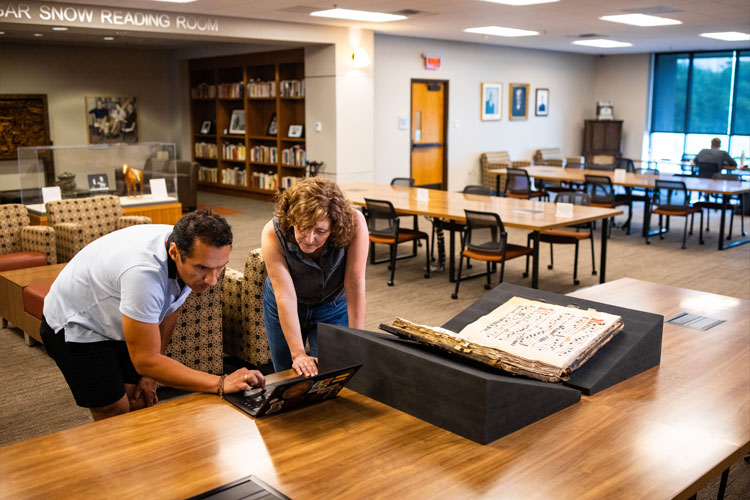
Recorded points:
(452, 256)
(535, 260)
(603, 258)
(724, 207)
(646, 216)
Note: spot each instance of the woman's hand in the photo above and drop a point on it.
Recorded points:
(305, 365)
(243, 380)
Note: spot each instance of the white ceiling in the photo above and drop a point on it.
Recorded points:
(558, 23)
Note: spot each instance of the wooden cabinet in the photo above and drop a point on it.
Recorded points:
(242, 108)
(602, 137)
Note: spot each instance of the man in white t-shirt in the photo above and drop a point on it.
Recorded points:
(110, 313)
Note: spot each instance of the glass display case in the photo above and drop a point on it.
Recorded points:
(125, 170)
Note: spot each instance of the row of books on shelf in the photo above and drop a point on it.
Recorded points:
(208, 174)
(234, 176)
(268, 181)
(293, 156)
(233, 152)
(259, 88)
(292, 88)
(205, 150)
(264, 154)
(203, 91)
(232, 90)
(237, 176)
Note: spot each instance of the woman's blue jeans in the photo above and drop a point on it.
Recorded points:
(334, 313)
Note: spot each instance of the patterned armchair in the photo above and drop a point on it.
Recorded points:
(500, 159)
(553, 157)
(79, 221)
(22, 245)
(242, 311)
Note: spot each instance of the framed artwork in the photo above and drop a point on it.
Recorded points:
(112, 119)
(237, 123)
(273, 126)
(206, 127)
(491, 101)
(519, 101)
(542, 102)
(295, 130)
(98, 182)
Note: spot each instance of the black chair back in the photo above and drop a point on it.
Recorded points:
(518, 182)
(647, 171)
(574, 197)
(625, 164)
(706, 170)
(478, 189)
(381, 217)
(671, 195)
(402, 181)
(718, 176)
(600, 188)
(484, 232)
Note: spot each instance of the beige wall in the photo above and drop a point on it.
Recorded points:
(569, 78)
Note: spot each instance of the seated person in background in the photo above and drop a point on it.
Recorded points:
(315, 249)
(715, 155)
(110, 313)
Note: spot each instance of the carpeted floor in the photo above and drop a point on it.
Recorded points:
(36, 401)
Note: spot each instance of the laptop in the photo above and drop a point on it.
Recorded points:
(247, 488)
(292, 393)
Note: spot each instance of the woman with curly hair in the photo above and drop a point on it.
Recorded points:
(315, 249)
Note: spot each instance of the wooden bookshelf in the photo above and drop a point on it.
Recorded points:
(261, 87)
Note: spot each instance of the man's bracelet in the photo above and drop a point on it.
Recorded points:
(221, 386)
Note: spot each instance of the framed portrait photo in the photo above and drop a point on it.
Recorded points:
(542, 102)
(206, 127)
(295, 131)
(237, 123)
(98, 182)
(491, 101)
(519, 101)
(273, 125)
(111, 119)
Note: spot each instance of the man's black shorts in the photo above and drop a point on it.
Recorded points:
(96, 372)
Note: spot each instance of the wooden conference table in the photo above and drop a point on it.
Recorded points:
(724, 188)
(664, 433)
(534, 216)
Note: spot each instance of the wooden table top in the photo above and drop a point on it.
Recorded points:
(30, 275)
(523, 214)
(661, 434)
(634, 180)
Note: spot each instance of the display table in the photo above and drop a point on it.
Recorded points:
(162, 211)
(664, 433)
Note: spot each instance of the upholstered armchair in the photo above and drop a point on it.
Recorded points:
(242, 311)
(22, 245)
(553, 157)
(499, 159)
(79, 221)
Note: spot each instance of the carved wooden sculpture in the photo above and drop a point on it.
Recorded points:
(133, 176)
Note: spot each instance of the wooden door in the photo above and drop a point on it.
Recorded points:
(428, 130)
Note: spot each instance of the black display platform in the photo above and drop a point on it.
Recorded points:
(473, 401)
(634, 350)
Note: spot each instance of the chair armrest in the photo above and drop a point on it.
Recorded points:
(197, 339)
(520, 164)
(70, 238)
(553, 162)
(39, 239)
(132, 220)
(575, 160)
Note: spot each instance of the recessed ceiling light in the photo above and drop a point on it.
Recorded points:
(59, 28)
(38, 34)
(109, 38)
(358, 15)
(640, 20)
(519, 3)
(603, 43)
(729, 36)
(500, 31)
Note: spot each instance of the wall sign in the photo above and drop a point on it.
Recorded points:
(432, 61)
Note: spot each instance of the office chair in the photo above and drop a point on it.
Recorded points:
(519, 186)
(602, 194)
(671, 198)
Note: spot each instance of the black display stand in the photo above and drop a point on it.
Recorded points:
(634, 350)
(468, 399)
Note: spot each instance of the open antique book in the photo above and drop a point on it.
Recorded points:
(536, 339)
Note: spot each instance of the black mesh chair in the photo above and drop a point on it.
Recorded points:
(713, 204)
(383, 225)
(602, 193)
(706, 170)
(485, 239)
(519, 186)
(477, 189)
(406, 182)
(625, 164)
(569, 235)
(402, 181)
(671, 199)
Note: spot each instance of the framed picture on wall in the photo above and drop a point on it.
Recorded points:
(542, 102)
(491, 101)
(112, 119)
(519, 101)
(237, 123)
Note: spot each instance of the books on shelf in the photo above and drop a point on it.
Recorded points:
(208, 174)
(205, 150)
(258, 88)
(292, 88)
(264, 154)
(289, 180)
(234, 152)
(235, 176)
(526, 337)
(293, 156)
(231, 90)
(203, 91)
(268, 180)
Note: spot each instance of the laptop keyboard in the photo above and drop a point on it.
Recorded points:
(255, 399)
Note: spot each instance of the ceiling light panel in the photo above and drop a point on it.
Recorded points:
(520, 3)
(729, 36)
(501, 31)
(358, 15)
(640, 20)
(603, 43)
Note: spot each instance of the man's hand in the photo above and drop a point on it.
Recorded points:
(305, 365)
(243, 380)
(146, 387)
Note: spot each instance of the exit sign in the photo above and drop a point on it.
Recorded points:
(432, 61)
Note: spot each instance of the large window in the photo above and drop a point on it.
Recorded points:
(699, 96)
